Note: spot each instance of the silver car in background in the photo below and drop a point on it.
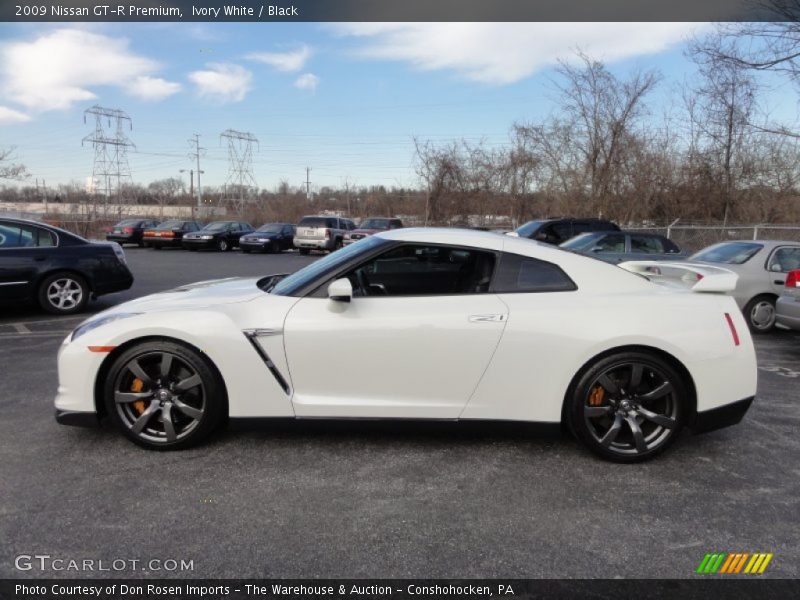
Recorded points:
(762, 267)
(321, 233)
(787, 308)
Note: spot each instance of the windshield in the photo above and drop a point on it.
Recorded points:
(170, 225)
(305, 276)
(270, 228)
(128, 223)
(528, 228)
(217, 226)
(583, 241)
(374, 224)
(731, 253)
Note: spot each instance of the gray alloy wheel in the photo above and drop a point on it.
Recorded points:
(628, 407)
(760, 314)
(222, 245)
(63, 293)
(163, 396)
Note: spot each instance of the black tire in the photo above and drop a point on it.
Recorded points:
(245, 250)
(304, 251)
(156, 247)
(140, 243)
(63, 293)
(605, 416)
(142, 391)
(223, 245)
(760, 314)
(190, 249)
(274, 248)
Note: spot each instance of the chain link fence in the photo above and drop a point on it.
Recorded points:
(696, 237)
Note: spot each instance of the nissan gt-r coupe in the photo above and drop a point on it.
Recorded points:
(422, 324)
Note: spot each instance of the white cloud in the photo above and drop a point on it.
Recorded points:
(289, 62)
(503, 53)
(61, 67)
(222, 82)
(307, 81)
(9, 115)
(152, 88)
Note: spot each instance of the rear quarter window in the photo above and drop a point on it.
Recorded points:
(518, 274)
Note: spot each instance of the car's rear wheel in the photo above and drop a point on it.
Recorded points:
(63, 293)
(628, 407)
(223, 246)
(164, 396)
(760, 314)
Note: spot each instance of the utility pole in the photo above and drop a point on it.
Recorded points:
(308, 183)
(110, 148)
(191, 180)
(197, 151)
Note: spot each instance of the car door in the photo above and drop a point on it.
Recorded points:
(24, 251)
(287, 237)
(610, 248)
(782, 260)
(415, 347)
(646, 247)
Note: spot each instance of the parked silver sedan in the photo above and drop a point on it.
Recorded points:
(787, 308)
(619, 246)
(762, 267)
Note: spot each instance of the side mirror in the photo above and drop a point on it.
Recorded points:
(340, 290)
(596, 249)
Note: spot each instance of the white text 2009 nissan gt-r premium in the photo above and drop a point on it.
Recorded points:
(421, 324)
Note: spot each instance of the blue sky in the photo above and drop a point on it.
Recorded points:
(345, 100)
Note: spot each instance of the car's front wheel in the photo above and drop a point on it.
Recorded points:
(163, 395)
(628, 407)
(63, 293)
(760, 314)
(223, 246)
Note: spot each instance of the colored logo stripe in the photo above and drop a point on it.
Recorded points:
(722, 562)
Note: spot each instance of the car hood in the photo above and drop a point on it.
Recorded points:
(196, 295)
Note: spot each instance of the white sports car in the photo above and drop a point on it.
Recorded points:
(421, 324)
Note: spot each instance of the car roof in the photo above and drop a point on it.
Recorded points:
(765, 243)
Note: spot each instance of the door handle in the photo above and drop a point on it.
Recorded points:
(778, 282)
(487, 318)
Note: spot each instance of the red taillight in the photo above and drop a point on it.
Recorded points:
(793, 279)
(149, 234)
(733, 329)
(328, 233)
(167, 234)
(128, 230)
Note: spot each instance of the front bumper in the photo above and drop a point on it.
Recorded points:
(787, 312)
(255, 245)
(722, 416)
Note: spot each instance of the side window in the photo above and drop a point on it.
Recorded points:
(785, 259)
(45, 238)
(560, 232)
(287, 230)
(613, 242)
(20, 236)
(524, 274)
(646, 244)
(422, 270)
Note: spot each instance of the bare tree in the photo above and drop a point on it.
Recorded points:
(9, 169)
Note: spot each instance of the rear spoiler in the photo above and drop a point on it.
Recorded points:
(699, 278)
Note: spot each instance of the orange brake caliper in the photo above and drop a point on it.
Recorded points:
(596, 396)
(136, 387)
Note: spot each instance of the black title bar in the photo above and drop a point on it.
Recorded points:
(393, 10)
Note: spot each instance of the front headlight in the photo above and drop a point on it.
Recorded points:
(206, 237)
(87, 326)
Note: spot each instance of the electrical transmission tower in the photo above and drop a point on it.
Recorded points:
(240, 179)
(111, 168)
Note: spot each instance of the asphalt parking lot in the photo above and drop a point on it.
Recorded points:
(382, 499)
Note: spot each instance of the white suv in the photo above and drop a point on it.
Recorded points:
(321, 233)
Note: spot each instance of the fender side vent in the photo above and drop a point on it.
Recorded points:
(252, 337)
